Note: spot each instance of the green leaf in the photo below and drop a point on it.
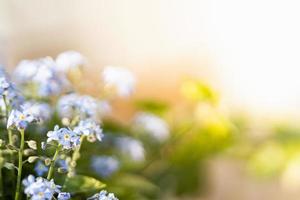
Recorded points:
(82, 184)
(137, 183)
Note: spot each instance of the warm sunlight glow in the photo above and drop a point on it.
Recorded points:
(257, 47)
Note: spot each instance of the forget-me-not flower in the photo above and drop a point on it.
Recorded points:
(20, 119)
(103, 195)
(90, 129)
(63, 196)
(40, 168)
(65, 137)
(40, 188)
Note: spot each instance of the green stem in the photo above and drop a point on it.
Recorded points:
(20, 165)
(75, 157)
(51, 169)
(1, 177)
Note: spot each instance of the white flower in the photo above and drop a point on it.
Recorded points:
(69, 60)
(152, 125)
(131, 147)
(120, 79)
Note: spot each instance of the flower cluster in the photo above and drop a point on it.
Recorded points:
(90, 129)
(65, 137)
(42, 189)
(103, 195)
(20, 119)
(49, 97)
(41, 76)
(10, 96)
(84, 106)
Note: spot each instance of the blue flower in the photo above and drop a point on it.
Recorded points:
(62, 163)
(131, 147)
(63, 196)
(65, 137)
(90, 129)
(40, 188)
(20, 120)
(105, 166)
(40, 168)
(4, 85)
(103, 195)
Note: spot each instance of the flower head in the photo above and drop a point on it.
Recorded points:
(40, 188)
(86, 107)
(103, 195)
(90, 129)
(41, 111)
(105, 166)
(40, 168)
(41, 74)
(152, 125)
(65, 137)
(20, 119)
(64, 196)
(120, 79)
(10, 96)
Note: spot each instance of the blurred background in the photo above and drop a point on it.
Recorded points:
(247, 51)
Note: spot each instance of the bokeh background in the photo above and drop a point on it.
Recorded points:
(248, 51)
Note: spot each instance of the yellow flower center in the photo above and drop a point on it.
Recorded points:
(41, 194)
(67, 136)
(22, 117)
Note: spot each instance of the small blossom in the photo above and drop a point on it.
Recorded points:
(103, 195)
(40, 168)
(69, 60)
(20, 120)
(62, 163)
(40, 188)
(65, 137)
(120, 79)
(63, 196)
(152, 125)
(90, 129)
(131, 147)
(8, 92)
(104, 166)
